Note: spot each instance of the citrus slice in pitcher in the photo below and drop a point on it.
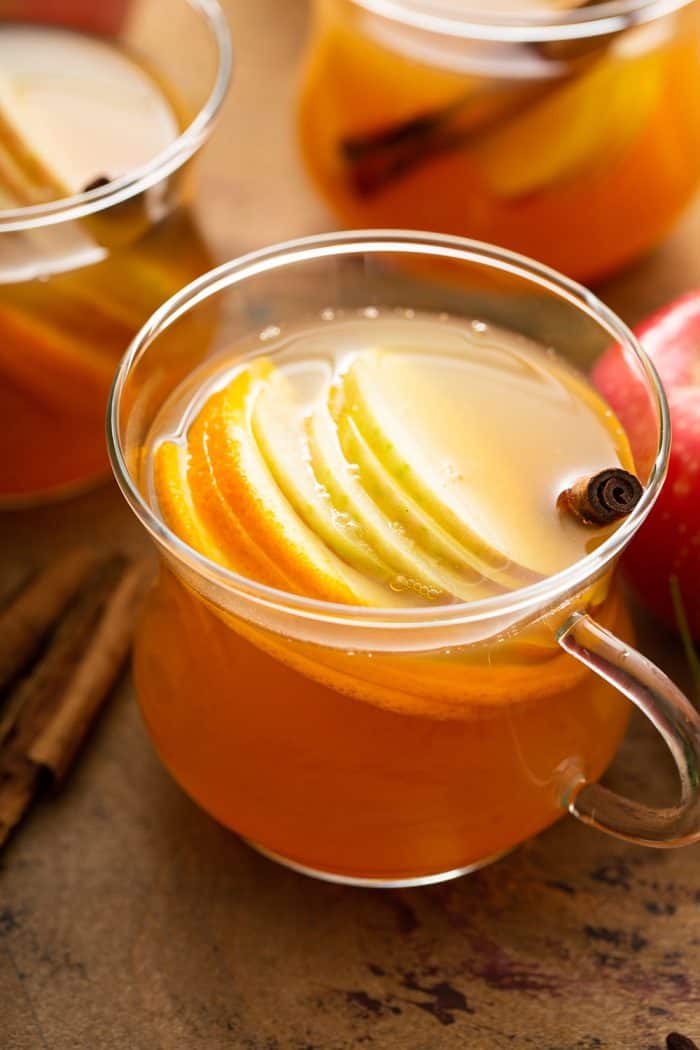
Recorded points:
(585, 122)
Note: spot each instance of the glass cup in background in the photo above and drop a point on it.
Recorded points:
(573, 137)
(80, 275)
(388, 747)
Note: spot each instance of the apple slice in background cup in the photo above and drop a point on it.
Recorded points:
(97, 129)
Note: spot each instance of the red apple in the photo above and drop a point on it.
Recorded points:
(105, 17)
(668, 543)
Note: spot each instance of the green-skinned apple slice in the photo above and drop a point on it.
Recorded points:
(247, 486)
(278, 427)
(416, 570)
(398, 506)
(375, 390)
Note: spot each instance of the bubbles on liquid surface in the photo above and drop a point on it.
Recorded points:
(313, 356)
(423, 590)
(399, 584)
(426, 591)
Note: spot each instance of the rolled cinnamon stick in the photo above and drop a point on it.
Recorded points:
(602, 498)
(35, 697)
(59, 740)
(19, 783)
(48, 715)
(378, 157)
(26, 620)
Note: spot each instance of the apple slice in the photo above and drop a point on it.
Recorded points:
(396, 505)
(449, 432)
(278, 426)
(73, 107)
(415, 569)
(589, 121)
(22, 173)
(375, 389)
(263, 512)
(16, 187)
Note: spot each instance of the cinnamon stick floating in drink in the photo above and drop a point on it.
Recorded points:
(46, 718)
(376, 158)
(602, 498)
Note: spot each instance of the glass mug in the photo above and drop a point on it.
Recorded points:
(570, 136)
(80, 275)
(386, 747)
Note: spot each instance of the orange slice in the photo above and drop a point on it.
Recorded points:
(249, 488)
(220, 518)
(175, 503)
(50, 365)
(279, 429)
(215, 534)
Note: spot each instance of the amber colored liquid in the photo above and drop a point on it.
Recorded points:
(60, 340)
(376, 762)
(386, 766)
(585, 177)
(74, 294)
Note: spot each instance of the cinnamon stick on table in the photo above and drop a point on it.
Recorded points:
(58, 741)
(27, 619)
(46, 718)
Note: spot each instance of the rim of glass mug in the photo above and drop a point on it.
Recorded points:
(66, 209)
(357, 242)
(442, 16)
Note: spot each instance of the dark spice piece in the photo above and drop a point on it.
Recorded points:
(97, 183)
(675, 1041)
(602, 498)
(376, 159)
(89, 605)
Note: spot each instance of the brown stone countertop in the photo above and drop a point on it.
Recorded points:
(130, 921)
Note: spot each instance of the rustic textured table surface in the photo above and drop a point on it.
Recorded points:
(130, 921)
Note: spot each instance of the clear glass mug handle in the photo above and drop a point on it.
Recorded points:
(673, 716)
